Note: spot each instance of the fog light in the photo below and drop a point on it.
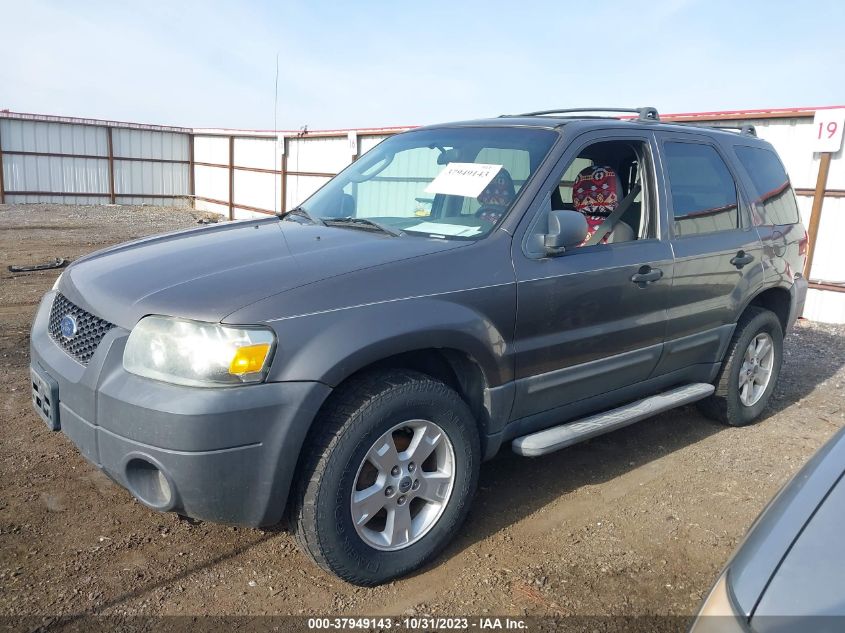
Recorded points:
(148, 483)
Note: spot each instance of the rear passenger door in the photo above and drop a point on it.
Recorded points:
(717, 252)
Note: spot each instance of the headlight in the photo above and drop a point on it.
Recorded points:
(198, 354)
(718, 613)
(56, 283)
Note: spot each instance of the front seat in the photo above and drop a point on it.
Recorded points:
(496, 198)
(596, 193)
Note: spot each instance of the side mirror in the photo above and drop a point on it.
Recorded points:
(567, 229)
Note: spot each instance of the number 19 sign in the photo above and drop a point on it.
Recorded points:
(827, 130)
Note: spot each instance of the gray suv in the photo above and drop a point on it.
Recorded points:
(532, 280)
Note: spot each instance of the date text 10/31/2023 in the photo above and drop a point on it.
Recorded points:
(417, 623)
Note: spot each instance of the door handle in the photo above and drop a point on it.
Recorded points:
(742, 259)
(646, 275)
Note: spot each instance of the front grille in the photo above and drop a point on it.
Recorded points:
(90, 329)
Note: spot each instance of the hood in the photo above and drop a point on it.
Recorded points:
(773, 535)
(208, 273)
(808, 581)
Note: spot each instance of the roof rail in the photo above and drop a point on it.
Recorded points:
(745, 128)
(643, 114)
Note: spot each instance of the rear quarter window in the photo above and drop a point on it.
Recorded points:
(775, 200)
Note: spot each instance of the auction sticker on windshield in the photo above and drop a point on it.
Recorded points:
(463, 179)
(440, 228)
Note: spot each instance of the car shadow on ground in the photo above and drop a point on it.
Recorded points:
(811, 356)
(82, 620)
(512, 487)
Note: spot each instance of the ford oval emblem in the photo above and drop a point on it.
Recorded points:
(68, 326)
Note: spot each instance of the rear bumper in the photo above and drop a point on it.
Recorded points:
(799, 298)
(226, 455)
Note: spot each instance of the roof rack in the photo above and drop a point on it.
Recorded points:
(643, 114)
(745, 128)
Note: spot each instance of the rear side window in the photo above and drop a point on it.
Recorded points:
(703, 191)
(775, 199)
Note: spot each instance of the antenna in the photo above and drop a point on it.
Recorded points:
(276, 140)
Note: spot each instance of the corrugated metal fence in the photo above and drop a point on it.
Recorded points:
(46, 158)
(80, 161)
(244, 174)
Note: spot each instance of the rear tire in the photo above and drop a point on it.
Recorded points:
(366, 546)
(749, 372)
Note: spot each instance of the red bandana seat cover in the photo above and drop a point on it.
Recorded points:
(596, 194)
(496, 197)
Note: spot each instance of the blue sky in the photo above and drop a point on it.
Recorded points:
(368, 63)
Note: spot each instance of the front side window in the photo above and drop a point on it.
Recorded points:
(609, 184)
(775, 202)
(703, 192)
(401, 183)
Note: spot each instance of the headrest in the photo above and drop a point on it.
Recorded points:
(596, 191)
(500, 192)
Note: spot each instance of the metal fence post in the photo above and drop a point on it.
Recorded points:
(284, 174)
(191, 177)
(231, 177)
(2, 185)
(110, 144)
(816, 213)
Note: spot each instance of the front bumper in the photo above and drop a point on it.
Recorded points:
(226, 455)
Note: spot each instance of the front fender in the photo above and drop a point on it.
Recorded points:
(332, 345)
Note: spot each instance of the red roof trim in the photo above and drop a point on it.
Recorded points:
(748, 113)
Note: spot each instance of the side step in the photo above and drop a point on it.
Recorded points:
(558, 437)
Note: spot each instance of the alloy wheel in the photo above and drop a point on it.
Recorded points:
(403, 485)
(756, 370)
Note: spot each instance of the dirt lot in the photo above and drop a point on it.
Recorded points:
(635, 522)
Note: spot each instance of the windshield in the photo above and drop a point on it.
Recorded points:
(452, 183)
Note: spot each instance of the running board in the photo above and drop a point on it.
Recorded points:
(558, 437)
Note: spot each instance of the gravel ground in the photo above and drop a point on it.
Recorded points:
(637, 522)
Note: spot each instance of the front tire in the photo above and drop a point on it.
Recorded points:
(387, 477)
(750, 370)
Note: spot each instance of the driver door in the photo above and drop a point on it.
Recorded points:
(584, 326)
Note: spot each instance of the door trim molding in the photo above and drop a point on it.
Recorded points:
(581, 380)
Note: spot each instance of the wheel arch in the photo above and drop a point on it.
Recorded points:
(455, 367)
(776, 299)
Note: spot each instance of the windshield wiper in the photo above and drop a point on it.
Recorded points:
(362, 223)
(300, 212)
